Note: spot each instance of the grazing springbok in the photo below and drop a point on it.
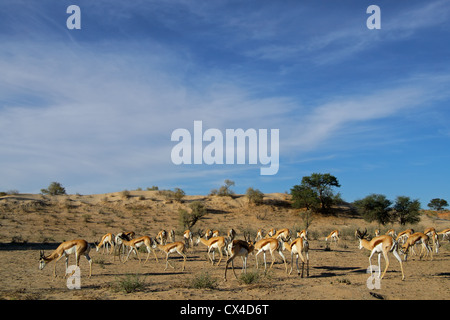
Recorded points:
(403, 236)
(107, 239)
(417, 237)
(129, 235)
(77, 247)
(445, 234)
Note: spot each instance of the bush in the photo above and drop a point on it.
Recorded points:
(177, 194)
(224, 190)
(203, 281)
(54, 189)
(128, 284)
(254, 196)
(188, 220)
(249, 277)
(125, 194)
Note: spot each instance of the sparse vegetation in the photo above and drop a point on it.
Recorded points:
(250, 277)
(128, 284)
(224, 190)
(32, 221)
(173, 195)
(54, 189)
(254, 196)
(189, 219)
(203, 281)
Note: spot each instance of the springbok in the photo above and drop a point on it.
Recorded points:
(239, 248)
(381, 245)
(78, 247)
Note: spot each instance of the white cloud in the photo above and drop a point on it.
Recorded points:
(102, 113)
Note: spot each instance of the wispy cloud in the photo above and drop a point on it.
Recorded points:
(97, 107)
(341, 116)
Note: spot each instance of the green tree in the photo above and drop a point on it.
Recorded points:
(406, 210)
(54, 189)
(437, 204)
(375, 207)
(315, 191)
(304, 197)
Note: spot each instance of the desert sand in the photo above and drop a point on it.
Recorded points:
(31, 222)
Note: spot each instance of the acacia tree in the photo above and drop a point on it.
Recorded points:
(406, 210)
(54, 189)
(304, 197)
(437, 204)
(315, 192)
(375, 207)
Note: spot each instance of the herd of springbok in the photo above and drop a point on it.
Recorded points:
(278, 241)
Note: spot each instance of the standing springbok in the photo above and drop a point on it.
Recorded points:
(333, 236)
(239, 248)
(431, 232)
(134, 244)
(299, 247)
(381, 245)
(218, 243)
(271, 245)
(172, 247)
(188, 238)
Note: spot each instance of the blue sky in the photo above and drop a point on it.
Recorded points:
(94, 108)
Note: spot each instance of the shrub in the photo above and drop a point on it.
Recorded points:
(125, 194)
(188, 220)
(55, 188)
(254, 196)
(128, 284)
(177, 194)
(224, 190)
(203, 281)
(249, 277)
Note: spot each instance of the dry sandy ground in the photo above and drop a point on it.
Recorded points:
(31, 222)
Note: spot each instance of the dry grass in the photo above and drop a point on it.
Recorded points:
(31, 222)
